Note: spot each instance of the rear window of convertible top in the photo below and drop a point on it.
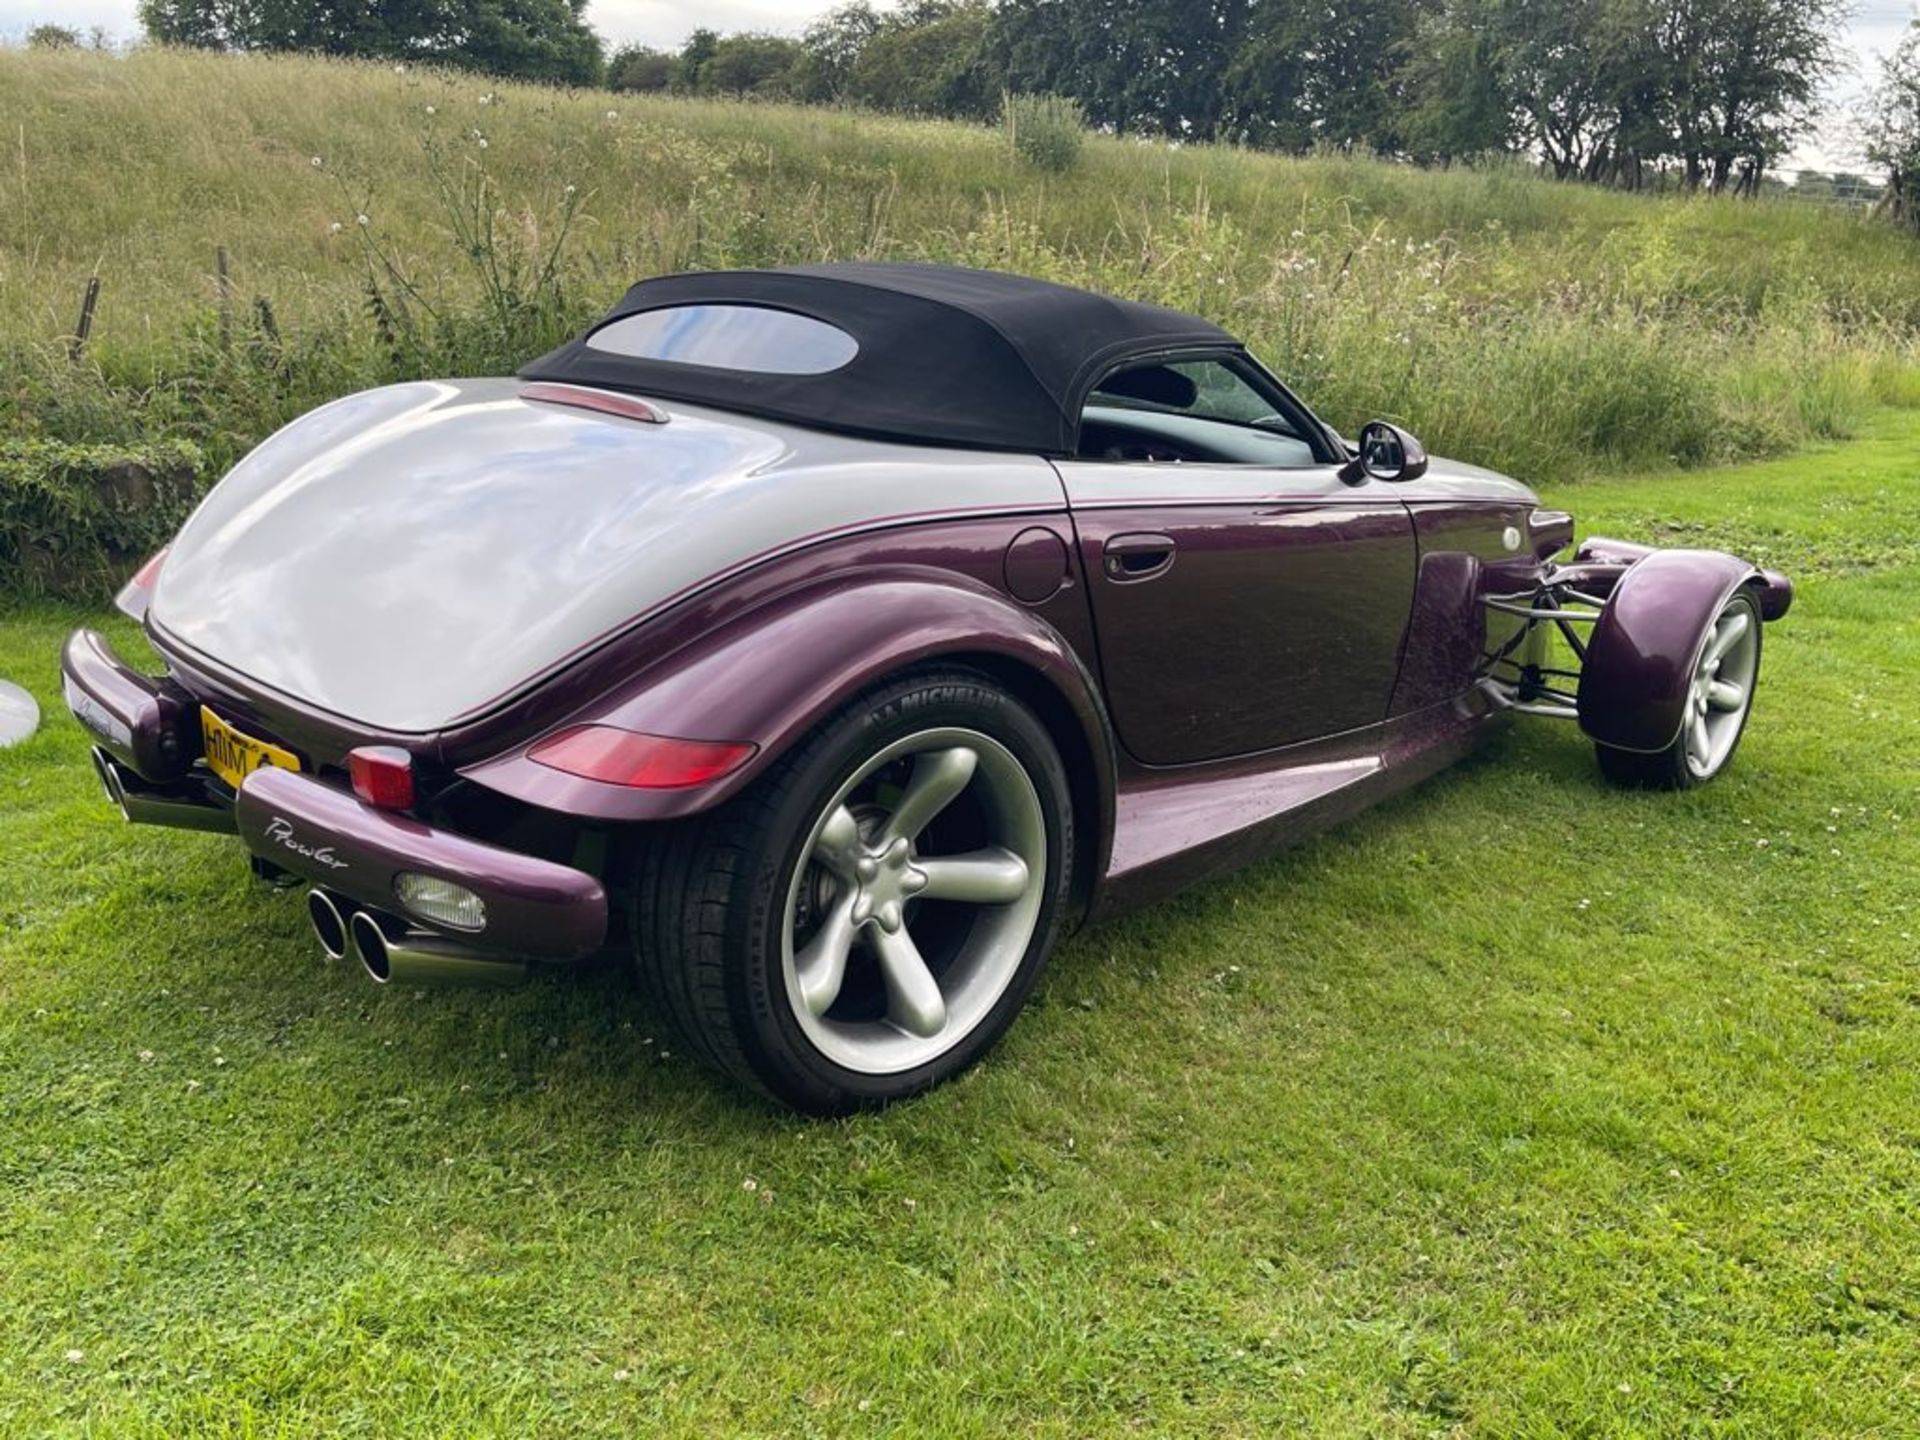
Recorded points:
(729, 337)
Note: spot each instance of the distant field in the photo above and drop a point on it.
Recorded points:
(1520, 1107)
(1544, 328)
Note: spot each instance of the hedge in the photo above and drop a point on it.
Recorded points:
(76, 520)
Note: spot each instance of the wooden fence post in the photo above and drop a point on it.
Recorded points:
(77, 347)
(223, 286)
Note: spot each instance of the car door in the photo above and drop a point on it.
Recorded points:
(1244, 596)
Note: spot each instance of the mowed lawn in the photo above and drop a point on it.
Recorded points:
(1519, 1107)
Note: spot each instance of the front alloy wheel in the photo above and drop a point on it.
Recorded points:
(1726, 668)
(866, 919)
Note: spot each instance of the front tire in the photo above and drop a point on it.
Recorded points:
(1726, 669)
(867, 918)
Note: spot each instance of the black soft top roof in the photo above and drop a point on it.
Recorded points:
(947, 356)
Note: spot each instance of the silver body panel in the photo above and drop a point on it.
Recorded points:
(411, 555)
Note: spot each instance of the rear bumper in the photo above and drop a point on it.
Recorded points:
(535, 908)
(143, 723)
(147, 736)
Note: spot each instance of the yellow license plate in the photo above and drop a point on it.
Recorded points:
(234, 755)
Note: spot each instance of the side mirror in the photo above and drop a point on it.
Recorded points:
(1386, 453)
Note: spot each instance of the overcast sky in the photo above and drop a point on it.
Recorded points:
(1876, 27)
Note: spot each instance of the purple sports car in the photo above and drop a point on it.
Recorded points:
(829, 638)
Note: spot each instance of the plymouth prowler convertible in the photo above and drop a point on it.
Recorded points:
(831, 637)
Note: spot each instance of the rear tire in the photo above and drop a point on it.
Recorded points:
(865, 920)
(1726, 670)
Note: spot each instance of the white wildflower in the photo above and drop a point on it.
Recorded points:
(432, 111)
(334, 228)
(749, 1184)
(482, 143)
(613, 114)
(74, 1357)
(318, 162)
(362, 220)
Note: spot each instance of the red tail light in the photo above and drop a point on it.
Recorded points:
(382, 776)
(144, 576)
(134, 595)
(646, 762)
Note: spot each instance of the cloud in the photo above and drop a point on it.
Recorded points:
(665, 23)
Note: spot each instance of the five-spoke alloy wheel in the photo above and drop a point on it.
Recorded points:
(867, 918)
(923, 884)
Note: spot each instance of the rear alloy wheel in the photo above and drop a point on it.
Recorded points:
(867, 919)
(1726, 668)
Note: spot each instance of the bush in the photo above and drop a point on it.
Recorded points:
(1044, 130)
(75, 519)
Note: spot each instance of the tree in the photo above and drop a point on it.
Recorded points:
(1890, 125)
(834, 44)
(1579, 77)
(750, 64)
(639, 68)
(53, 37)
(1457, 102)
(533, 39)
(1743, 80)
(1330, 74)
(1134, 65)
(930, 59)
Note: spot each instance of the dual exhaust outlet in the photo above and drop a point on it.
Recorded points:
(393, 952)
(388, 948)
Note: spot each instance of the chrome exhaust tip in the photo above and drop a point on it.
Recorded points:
(393, 954)
(142, 804)
(329, 919)
(109, 774)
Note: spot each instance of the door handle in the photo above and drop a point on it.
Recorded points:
(1138, 556)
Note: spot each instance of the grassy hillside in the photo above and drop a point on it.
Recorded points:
(1541, 328)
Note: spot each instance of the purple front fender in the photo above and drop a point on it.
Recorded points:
(1641, 656)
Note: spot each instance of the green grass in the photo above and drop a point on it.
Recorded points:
(1549, 330)
(1518, 1107)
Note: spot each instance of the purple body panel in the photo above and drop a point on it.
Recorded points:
(773, 672)
(1464, 556)
(535, 908)
(1177, 827)
(1267, 624)
(1640, 661)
